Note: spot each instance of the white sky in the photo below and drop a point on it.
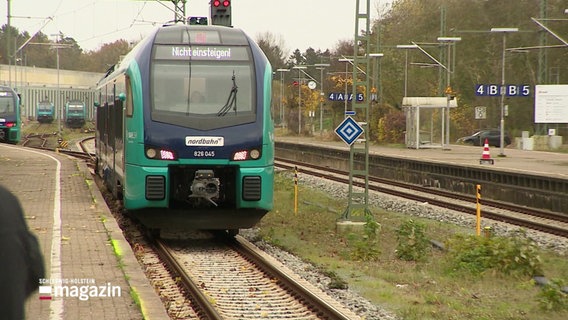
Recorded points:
(319, 24)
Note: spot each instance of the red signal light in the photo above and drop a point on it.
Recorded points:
(221, 12)
(225, 3)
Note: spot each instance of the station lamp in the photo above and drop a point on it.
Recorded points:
(221, 12)
(503, 31)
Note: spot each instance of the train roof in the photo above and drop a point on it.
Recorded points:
(200, 35)
(181, 34)
(6, 89)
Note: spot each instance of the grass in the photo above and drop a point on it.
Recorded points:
(413, 290)
(136, 298)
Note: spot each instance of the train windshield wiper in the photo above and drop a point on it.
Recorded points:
(231, 100)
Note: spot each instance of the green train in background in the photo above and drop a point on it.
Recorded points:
(74, 114)
(45, 112)
(10, 122)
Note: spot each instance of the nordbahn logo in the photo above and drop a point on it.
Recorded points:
(197, 141)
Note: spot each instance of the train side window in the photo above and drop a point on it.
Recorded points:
(129, 102)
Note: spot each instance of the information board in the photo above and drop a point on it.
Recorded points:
(551, 103)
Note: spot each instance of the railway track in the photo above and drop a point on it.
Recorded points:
(38, 140)
(544, 221)
(48, 142)
(229, 278)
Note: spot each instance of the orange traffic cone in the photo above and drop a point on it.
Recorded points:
(486, 156)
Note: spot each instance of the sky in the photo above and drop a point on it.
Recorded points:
(300, 24)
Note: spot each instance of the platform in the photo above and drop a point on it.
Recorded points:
(83, 247)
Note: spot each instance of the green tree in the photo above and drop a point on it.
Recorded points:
(108, 55)
(37, 52)
(297, 58)
(69, 54)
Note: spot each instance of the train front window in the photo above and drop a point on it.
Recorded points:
(203, 94)
(6, 103)
(75, 108)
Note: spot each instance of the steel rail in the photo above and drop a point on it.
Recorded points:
(322, 307)
(197, 296)
(305, 296)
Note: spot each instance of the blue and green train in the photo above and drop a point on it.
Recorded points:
(184, 133)
(45, 112)
(75, 114)
(10, 122)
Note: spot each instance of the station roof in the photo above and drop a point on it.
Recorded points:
(428, 102)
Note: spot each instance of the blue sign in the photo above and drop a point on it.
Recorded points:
(509, 90)
(349, 130)
(350, 112)
(335, 96)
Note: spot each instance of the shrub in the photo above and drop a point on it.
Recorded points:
(470, 254)
(516, 255)
(366, 247)
(413, 245)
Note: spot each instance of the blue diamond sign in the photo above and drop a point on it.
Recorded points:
(349, 130)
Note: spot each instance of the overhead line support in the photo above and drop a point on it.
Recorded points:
(358, 202)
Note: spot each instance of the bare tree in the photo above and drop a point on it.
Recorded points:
(273, 48)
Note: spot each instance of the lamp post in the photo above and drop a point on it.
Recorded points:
(299, 96)
(347, 61)
(58, 95)
(321, 67)
(281, 93)
(450, 41)
(504, 31)
(406, 46)
(376, 70)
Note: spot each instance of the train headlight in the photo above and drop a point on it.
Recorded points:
(160, 154)
(250, 154)
(254, 154)
(151, 153)
(240, 155)
(167, 155)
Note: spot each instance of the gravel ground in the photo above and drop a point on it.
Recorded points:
(352, 300)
